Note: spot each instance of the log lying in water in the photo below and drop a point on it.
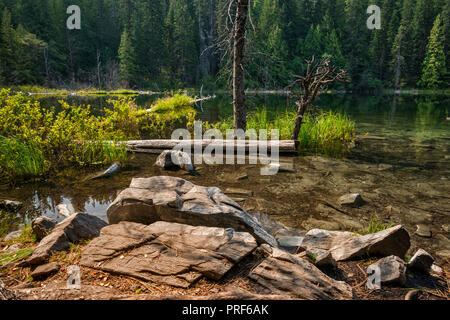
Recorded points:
(157, 146)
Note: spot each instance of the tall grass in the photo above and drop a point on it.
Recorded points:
(325, 133)
(20, 159)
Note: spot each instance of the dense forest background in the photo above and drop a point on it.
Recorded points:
(156, 44)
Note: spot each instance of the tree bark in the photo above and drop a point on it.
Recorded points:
(299, 120)
(240, 117)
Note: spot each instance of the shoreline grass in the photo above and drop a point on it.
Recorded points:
(327, 133)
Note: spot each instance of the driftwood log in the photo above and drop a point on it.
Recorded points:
(158, 146)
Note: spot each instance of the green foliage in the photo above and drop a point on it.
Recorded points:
(434, 68)
(162, 44)
(26, 237)
(20, 159)
(7, 220)
(326, 133)
(12, 257)
(34, 139)
(375, 225)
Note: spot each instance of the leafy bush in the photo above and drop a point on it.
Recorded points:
(34, 140)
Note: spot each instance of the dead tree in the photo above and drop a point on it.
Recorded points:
(318, 76)
(239, 36)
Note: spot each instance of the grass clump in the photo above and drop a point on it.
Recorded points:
(375, 225)
(12, 257)
(26, 237)
(20, 159)
(324, 133)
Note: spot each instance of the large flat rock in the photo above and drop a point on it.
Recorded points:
(169, 253)
(284, 273)
(78, 227)
(346, 245)
(172, 199)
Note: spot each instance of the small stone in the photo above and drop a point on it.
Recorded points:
(321, 258)
(351, 200)
(446, 227)
(393, 270)
(436, 269)
(42, 226)
(12, 235)
(422, 261)
(45, 270)
(423, 231)
(412, 295)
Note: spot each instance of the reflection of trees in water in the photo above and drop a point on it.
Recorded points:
(428, 114)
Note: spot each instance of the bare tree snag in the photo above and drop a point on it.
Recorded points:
(239, 35)
(318, 76)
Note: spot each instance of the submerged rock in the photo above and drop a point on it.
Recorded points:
(393, 270)
(169, 253)
(171, 159)
(421, 261)
(42, 226)
(80, 226)
(283, 273)
(423, 231)
(113, 169)
(172, 199)
(351, 200)
(346, 245)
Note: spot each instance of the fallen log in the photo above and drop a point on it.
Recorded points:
(157, 146)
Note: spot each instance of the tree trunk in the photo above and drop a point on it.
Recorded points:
(299, 120)
(240, 117)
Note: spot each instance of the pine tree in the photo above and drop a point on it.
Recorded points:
(128, 68)
(434, 68)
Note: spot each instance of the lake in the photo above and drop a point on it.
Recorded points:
(400, 165)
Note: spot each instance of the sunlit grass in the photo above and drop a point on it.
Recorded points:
(325, 133)
(375, 225)
(11, 257)
(20, 159)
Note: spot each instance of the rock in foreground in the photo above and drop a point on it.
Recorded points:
(42, 226)
(393, 270)
(172, 199)
(78, 227)
(283, 273)
(168, 253)
(346, 245)
(421, 261)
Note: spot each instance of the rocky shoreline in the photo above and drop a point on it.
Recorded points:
(166, 232)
